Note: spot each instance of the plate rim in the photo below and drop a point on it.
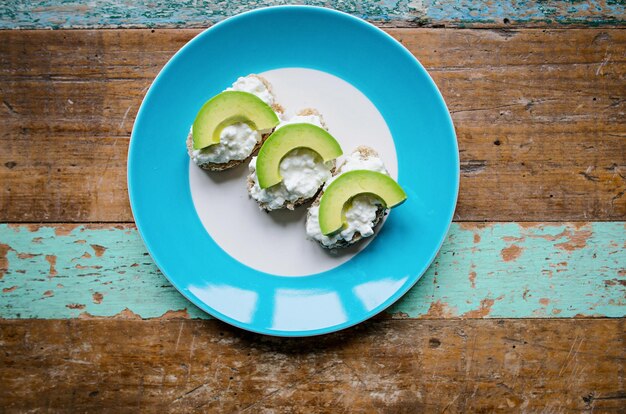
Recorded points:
(392, 298)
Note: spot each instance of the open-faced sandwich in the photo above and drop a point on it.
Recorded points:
(353, 202)
(232, 125)
(293, 163)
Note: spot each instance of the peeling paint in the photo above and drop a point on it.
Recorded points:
(56, 14)
(175, 314)
(483, 310)
(124, 314)
(97, 298)
(530, 224)
(438, 309)
(64, 230)
(98, 250)
(462, 282)
(52, 260)
(511, 253)
(472, 279)
(4, 262)
(577, 240)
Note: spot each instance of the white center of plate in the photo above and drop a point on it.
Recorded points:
(276, 243)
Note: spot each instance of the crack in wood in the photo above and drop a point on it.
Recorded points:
(473, 167)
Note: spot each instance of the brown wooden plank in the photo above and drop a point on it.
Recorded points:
(380, 366)
(539, 116)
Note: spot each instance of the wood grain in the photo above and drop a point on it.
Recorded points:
(44, 14)
(491, 270)
(380, 366)
(539, 116)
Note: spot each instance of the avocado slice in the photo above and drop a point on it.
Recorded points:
(229, 108)
(288, 138)
(350, 184)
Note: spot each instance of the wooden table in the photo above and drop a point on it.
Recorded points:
(523, 309)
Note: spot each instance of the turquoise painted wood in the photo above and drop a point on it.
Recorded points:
(500, 270)
(39, 14)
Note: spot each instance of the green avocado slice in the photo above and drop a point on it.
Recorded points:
(350, 184)
(228, 108)
(288, 138)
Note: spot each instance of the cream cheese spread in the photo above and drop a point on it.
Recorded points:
(252, 84)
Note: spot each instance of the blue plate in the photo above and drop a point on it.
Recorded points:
(353, 291)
